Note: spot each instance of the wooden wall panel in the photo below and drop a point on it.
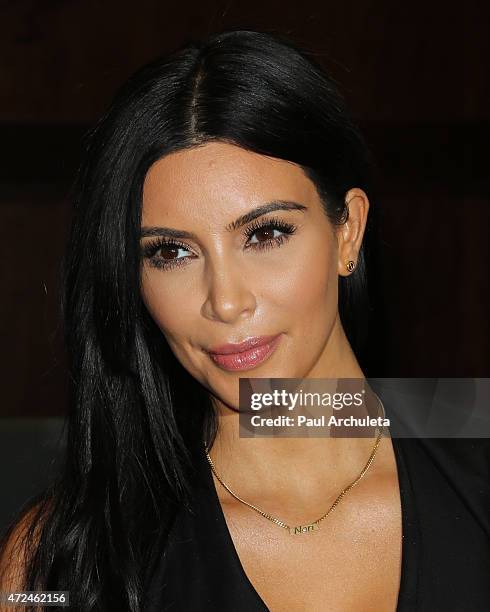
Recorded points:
(32, 359)
(411, 61)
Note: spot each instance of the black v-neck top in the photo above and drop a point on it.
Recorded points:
(445, 498)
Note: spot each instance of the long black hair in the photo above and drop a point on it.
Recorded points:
(136, 417)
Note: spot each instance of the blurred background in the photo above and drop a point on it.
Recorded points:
(415, 77)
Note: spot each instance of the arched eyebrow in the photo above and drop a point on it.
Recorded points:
(268, 207)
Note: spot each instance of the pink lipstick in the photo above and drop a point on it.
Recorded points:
(245, 355)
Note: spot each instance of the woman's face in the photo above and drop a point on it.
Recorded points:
(214, 280)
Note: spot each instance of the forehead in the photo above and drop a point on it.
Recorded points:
(218, 181)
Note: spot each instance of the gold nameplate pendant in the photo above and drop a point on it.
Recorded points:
(303, 529)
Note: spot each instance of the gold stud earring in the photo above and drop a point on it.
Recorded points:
(350, 265)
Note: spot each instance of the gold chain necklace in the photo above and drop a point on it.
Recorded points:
(311, 526)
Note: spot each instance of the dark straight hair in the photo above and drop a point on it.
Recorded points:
(137, 418)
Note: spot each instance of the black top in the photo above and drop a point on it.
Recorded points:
(445, 497)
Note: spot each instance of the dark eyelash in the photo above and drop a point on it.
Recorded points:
(273, 222)
(152, 247)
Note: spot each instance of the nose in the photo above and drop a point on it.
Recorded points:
(229, 294)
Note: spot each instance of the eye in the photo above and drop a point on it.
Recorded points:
(166, 254)
(270, 233)
(267, 233)
(163, 253)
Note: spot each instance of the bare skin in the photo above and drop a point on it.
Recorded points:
(221, 290)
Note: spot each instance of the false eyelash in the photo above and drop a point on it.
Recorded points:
(274, 222)
(151, 248)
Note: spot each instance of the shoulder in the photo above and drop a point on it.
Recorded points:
(455, 469)
(460, 460)
(16, 547)
(467, 457)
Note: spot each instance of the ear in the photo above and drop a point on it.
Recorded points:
(350, 234)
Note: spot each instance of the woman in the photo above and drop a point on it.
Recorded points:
(223, 201)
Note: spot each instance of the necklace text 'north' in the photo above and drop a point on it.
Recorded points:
(303, 529)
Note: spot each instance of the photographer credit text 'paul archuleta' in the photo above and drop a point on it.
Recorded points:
(325, 405)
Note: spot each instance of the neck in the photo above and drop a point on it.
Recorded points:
(281, 470)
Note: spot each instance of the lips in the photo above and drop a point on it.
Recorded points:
(231, 349)
(245, 355)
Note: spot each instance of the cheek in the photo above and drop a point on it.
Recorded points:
(307, 286)
(166, 307)
(174, 312)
